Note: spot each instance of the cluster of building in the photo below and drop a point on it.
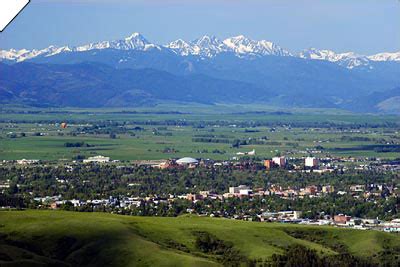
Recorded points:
(242, 191)
(339, 220)
(276, 190)
(290, 216)
(282, 162)
(55, 202)
(306, 164)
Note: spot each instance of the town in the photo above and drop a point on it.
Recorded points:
(209, 202)
(200, 133)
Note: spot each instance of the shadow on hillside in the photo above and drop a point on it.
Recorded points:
(63, 249)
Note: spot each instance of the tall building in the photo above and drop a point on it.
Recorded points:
(311, 162)
(280, 161)
(268, 164)
(237, 189)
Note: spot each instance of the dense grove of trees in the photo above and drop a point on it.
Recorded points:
(76, 144)
(293, 256)
(297, 255)
(109, 179)
(224, 251)
(101, 126)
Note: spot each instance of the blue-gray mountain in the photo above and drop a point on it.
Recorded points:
(134, 72)
(98, 85)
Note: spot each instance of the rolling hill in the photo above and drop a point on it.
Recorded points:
(46, 238)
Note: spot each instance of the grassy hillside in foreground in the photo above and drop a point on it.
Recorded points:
(37, 238)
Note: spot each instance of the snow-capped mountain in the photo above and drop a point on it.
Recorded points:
(206, 47)
(385, 57)
(182, 47)
(134, 42)
(210, 46)
(24, 54)
(245, 46)
(349, 60)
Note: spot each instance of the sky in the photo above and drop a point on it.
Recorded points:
(362, 26)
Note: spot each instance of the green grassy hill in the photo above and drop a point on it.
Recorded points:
(43, 238)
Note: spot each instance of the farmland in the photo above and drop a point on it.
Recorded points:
(174, 131)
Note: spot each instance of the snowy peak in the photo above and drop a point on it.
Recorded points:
(24, 54)
(314, 53)
(13, 55)
(181, 47)
(385, 57)
(179, 44)
(242, 45)
(135, 41)
(207, 47)
(207, 41)
(348, 59)
(136, 36)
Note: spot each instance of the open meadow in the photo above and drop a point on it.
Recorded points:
(169, 131)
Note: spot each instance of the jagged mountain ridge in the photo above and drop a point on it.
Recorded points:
(206, 47)
(269, 73)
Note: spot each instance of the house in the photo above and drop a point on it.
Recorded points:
(311, 190)
(328, 189)
(54, 205)
(287, 216)
(341, 218)
(357, 188)
(237, 189)
(194, 197)
(245, 192)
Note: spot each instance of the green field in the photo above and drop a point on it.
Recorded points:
(294, 132)
(32, 238)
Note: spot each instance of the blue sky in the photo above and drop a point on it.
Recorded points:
(363, 26)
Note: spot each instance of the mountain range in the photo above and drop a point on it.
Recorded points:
(134, 71)
(206, 46)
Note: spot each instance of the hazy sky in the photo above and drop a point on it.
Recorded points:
(363, 26)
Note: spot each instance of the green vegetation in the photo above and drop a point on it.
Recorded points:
(216, 132)
(69, 239)
(87, 182)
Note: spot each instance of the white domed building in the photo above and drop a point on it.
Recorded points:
(187, 161)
